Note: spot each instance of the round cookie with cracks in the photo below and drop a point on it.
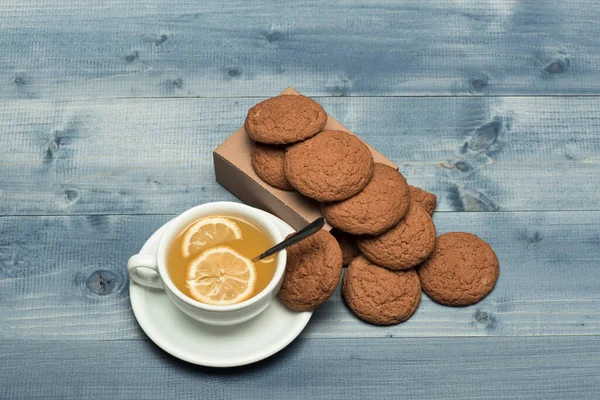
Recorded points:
(378, 295)
(332, 166)
(405, 245)
(285, 119)
(312, 273)
(462, 270)
(376, 208)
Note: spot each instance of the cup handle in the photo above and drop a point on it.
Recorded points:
(143, 269)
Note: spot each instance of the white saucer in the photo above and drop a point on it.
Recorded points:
(212, 346)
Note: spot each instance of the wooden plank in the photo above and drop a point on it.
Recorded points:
(434, 368)
(64, 278)
(154, 155)
(88, 49)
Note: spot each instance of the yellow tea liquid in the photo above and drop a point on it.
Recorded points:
(252, 242)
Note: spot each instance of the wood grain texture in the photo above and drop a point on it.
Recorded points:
(79, 141)
(87, 49)
(64, 278)
(434, 368)
(152, 156)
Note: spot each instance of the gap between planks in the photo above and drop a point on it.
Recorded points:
(237, 201)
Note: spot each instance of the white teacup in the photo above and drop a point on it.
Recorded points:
(151, 271)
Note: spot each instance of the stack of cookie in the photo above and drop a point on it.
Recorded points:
(383, 226)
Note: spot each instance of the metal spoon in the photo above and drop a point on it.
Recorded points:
(302, 234)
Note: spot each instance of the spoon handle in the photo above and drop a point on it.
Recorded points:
(303, 233)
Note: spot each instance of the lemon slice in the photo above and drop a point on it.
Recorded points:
(221, 276)
(209, 232)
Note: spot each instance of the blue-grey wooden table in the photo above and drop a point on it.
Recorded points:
(109, 111)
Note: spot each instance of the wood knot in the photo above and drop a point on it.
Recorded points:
(485, 136)
(463, 199)
(177, 83)
(233, 72)
(54, 145)
(132, 57)
(558, 66)
(479, 84)
(153, 182)
(71, 195)
(532, 238)
(462, 166)
(273, 36)
(102, 282)
(485, 318)
(51, 151)
(161, 40)
(94, 281)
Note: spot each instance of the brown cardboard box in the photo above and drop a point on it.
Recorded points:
(234, 171)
